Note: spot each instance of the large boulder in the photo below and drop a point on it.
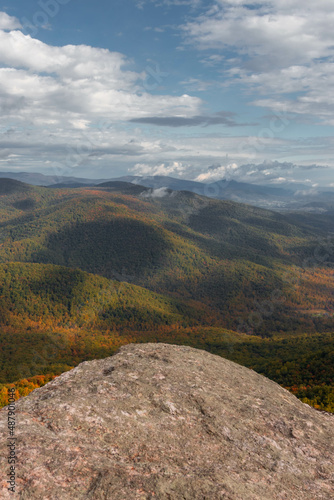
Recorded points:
(158, 421)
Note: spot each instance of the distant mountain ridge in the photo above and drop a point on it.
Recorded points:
(38, 179)
(287, 197)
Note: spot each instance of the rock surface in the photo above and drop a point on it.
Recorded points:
(157, 421)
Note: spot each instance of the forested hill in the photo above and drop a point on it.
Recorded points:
(184, 262)
(223, 254)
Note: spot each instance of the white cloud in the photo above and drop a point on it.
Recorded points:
(273, 47)
(8, 22)
(217, 172)
(73, 62)
(278, 180)
(173, 168)
(158, 193)
(66, 109)
(267, 172)
(76, 85)
(275, 31)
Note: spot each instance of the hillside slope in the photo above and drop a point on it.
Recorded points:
(60, 317)
(168, 422)
(225, 255)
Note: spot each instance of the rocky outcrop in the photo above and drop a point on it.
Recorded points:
(157, 421)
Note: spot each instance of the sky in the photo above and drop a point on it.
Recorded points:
(194, 89)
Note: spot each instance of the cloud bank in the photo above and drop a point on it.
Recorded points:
(275, 47)
(74, 85)
(86, 111)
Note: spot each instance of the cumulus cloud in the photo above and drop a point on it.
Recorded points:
(273, 46)
(76, 84)
(8, 22)
(173, 168)
(271, 32)
(267, 172)
(70, 106)
(217, 172)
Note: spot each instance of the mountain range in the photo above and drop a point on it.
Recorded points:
(288, 196)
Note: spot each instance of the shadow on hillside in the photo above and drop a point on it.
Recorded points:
(27, 204)
(231, 245)
(58, 284)
(10, 186)
(120, 247)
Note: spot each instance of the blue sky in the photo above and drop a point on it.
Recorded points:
(188, 88)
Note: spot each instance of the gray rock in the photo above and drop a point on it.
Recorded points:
(158, 421)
